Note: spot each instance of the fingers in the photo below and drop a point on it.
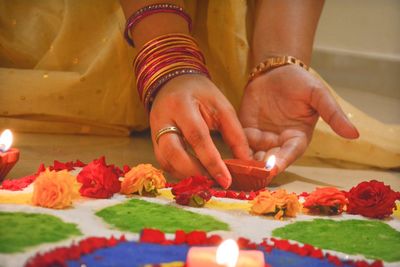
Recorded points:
(261, 140)
(197, 134)
(331, 113)
(173, 157)
(290, 150)
(233, 133)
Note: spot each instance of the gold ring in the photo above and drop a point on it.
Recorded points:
(165, 130)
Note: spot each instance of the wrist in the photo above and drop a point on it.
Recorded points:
(260, 56)
(273, 63)
(143, 24)
(163, 59)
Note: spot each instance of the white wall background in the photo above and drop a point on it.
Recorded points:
(357, 50)
(361, 26)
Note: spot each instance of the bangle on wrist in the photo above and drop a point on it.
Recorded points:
(275, 62)
(164, 58)
(136, 17)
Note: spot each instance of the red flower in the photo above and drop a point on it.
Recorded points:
(327, 200)
(193, 191)
(251, 195)
(21, 183)
(371, 199)
(231, 194)
(79, 163)
(98, 180)
(219, 193)
(59, 166)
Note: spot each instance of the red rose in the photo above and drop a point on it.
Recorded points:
(192, 191)
(193, 183)
(98, 180)
(327, 200)
(371, 199)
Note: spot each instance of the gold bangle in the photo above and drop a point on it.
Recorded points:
(172, 67)
(145, 52)
(275, 62)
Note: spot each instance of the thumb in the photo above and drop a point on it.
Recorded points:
(324, 103)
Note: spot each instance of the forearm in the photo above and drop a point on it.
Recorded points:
(156, 24)
(285, 27)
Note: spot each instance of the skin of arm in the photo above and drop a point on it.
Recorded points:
(193, 104)
(280, 108)
(149, 28)
(285, 27)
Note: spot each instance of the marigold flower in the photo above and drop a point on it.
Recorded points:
(278, 203)
(143, 179)
(54, 189)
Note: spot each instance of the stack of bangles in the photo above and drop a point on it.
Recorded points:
(164, 57)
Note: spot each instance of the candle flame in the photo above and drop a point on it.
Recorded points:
(270, 164)
(6, 139)
(227, 253)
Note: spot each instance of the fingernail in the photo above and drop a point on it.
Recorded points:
(353, 126)
(223, 181)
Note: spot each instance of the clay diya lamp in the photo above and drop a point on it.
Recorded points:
(251, 175)
(8, 156)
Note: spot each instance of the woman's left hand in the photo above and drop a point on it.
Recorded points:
(279, 111)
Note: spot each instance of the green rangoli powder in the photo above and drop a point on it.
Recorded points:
(136, 214)
(19, 230)
(373, 239)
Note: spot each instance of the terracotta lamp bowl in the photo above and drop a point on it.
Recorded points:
(249, 175)
(7, 161)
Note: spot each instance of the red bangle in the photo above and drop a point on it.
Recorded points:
(152, 91)
(150, 10)
(164, 58)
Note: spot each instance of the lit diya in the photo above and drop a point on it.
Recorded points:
(227, 254)
(8, 156)
(251, 175)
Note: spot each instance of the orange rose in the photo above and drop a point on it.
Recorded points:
(264, 203)
(279, 203)
(326, 200)
(53, 189)
(143, 178)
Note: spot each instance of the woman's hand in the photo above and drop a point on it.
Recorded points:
(279, 111)
(195, 105)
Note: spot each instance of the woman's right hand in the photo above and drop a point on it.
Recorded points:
(193, 104)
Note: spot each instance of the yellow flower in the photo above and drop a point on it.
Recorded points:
(279, 203)
(143, 179)
(53, 189)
